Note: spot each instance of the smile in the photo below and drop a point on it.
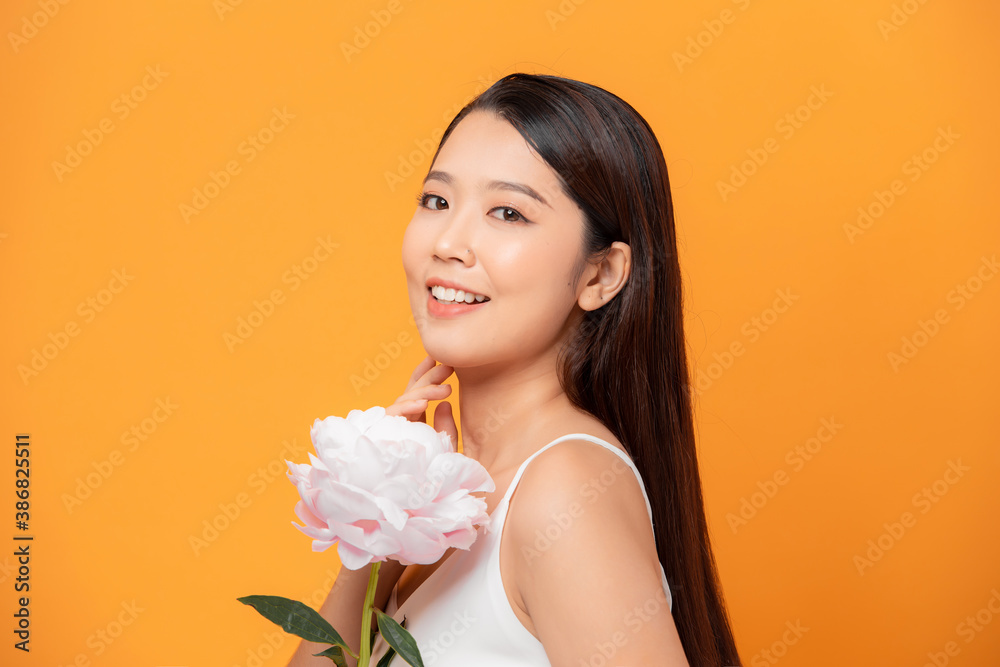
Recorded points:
(453, 308)
(448, 295)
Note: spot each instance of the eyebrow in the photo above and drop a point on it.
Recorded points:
(446, 178)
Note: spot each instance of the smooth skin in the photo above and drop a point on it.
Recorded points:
(597, 586)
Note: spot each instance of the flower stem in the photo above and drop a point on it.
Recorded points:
(366, 616)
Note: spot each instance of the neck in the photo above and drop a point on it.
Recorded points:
(504, 406)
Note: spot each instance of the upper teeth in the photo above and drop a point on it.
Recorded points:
(449, 294)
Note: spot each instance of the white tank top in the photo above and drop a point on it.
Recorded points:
(460, 615)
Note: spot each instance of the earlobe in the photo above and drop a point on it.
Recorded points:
(589, 301)
(608, 276)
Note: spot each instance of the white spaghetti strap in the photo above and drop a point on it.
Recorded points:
(505, 501)
(521, 469)
(464, 600)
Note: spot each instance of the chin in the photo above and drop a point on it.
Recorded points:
(450, 356)
(457, 354)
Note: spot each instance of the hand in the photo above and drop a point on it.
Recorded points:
(425, 386)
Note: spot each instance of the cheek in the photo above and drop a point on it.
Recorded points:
(536, 264)
(533, 281)
(412, 254)
(412, 249)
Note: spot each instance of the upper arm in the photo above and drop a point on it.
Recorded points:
(587, 570)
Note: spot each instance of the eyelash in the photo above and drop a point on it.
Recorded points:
(424, 196)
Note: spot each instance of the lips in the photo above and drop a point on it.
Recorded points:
(450, 295)
(440, 309)
(435, 281)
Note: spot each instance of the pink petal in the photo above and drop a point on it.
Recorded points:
(352, 558)
(345, 504)
(332, 433)
(461, 539)
(364, 420)
(366, 470)
(302, 511)
(461, 472)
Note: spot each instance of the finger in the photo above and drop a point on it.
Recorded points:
(444, 420)
(429, 373)
(411, 409)
(405, 407)
(422, 367)
(438, 374)
(433, 376)
(434, 392)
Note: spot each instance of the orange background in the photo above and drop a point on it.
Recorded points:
(124, 553)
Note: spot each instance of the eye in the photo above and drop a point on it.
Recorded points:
(424, 199)
(508, 214)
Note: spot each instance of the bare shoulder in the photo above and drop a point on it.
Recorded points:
(584, 558)
(583, 495)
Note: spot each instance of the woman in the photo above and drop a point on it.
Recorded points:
(542, 270)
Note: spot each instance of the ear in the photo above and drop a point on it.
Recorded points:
(602, 280)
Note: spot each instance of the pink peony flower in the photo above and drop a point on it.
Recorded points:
(384, 487)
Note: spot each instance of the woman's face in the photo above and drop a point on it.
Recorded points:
(494, 221)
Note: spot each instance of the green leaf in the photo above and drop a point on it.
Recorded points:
(398, 638)
(296, 618)
(335, 653)
(387, 658)
(389, 655)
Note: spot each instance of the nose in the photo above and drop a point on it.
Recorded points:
(455, 239)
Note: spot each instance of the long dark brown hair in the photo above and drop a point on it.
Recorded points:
(626, 362)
